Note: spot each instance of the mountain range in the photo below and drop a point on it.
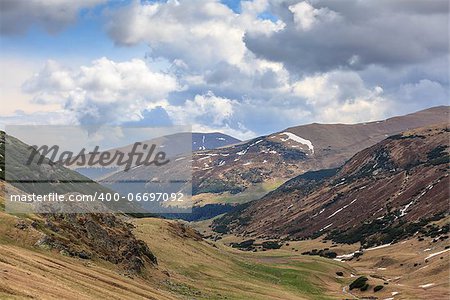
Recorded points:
(369, 206)
(383, 194)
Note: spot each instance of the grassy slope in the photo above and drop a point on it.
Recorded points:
(188, 269)
(29, 272)
(195, 270)
(254, 192)
(216, 272)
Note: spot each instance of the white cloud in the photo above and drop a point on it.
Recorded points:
(17, 16)
(341, 96)
(59, 117)
(105, 91)
(305, 15)
(204, 109)
(200, 33)
(241, 74)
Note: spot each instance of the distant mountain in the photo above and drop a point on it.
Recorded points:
(384, 193)
(296, 150)
(207, 141)
(173, 145)
(39, 178)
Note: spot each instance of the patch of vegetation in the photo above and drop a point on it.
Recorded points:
(306, 182)
(388, 229)
(293, 279)
(359, 283)
(182, 289)
(381, 160)
(245, 245)
(225, 223)
(365, 287)
(437, 152)
(271, 245)
(212, 185)
(322, 252)
(204, 212)
(378, 288)
(438, 155)
(404, 137)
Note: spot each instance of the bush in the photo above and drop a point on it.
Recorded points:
(271, 245)
(340, 273)
(377, 288)
(365, 287)
(358, 283)
(329, 254)
(243, 245)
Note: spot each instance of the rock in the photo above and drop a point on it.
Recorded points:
(22, 225)
(84, 255)
(103, 236)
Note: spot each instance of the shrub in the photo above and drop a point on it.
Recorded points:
(329, 254)
(365, 287)
(339, 273)
(377, 288)
(271, 245)
(358, 283)
(244, 244)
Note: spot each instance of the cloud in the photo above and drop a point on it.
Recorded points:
(60, 117)
(322, 35)
(103, 92)
(421, 94)
(342, 97)
(306, 16)
(199, 34)
(204, 109)
(129, 92)
(18, 16)
(268, 65)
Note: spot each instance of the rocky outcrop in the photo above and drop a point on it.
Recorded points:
(103, 236)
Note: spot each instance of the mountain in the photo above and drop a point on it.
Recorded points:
(384, 193)
(173, 145)
(214, 140)
(101, 235)
(93, 256)
(296, 150)
(45, 177)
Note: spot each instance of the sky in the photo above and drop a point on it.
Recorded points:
(244, 68)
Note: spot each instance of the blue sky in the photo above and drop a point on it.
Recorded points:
(244, 68)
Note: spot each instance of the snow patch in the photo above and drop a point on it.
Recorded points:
(378, 247)
(326, 227)
(424, 286)
(437, 253)
(340, 209)
(242, 152)
(296, 138)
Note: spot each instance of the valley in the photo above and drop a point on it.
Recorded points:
(375, 227)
